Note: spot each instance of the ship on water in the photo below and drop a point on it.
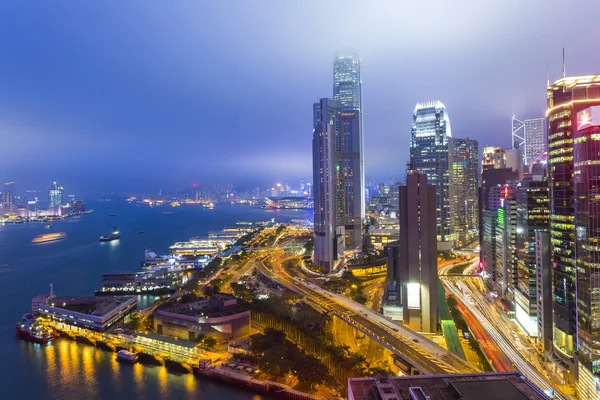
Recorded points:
(49, 237)
(30, 329)
(127, 356)
(113, 236)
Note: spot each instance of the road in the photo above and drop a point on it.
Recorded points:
(424, 354)
(484, 311)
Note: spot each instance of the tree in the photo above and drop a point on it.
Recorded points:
(271, 337)
(209, 343)
(310, 371)
(274, 362)
(188, 298)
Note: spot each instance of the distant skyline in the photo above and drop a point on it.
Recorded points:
(141, 95)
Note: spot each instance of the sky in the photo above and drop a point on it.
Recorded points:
(138, 95)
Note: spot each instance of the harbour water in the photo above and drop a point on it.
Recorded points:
(70, 370)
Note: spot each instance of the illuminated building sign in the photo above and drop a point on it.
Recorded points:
(588, 118)
(413, 291)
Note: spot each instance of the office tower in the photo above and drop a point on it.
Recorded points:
(328, 239)
(573, 159)
(514, 161)
(543, 289)
(535, 141)
(464, 169)
(55, 195)
(8, 194)
(533, 214)
(418, 253)
(429, 155)
(506, 241)
(347, 90)
(493, 158)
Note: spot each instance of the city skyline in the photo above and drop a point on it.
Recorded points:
(58, 106)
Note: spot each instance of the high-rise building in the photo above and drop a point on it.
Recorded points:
(514, 161)
(529, 136)
(418, 253)
(55, 195)
(493, 158)
(8, 195)
(535, 140)
(506, 241)
(533, 214)
(543, 288)
(464, 177)
(429, 155)
(573, 118)
(347, 90)
(328, 244)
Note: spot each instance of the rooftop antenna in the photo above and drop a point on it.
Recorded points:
(564, 72)
(547, 75)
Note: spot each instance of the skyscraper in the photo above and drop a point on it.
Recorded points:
(328, 244)
(464, 173)
(8, 195)
(573, 117)
(535, 140)
(493, 158)
(55, 195)
(533, 215)
(347, 90)
(418, 253)
(429, 155)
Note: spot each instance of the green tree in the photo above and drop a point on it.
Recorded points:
(209, 343)
(310, 371)
(274, 362)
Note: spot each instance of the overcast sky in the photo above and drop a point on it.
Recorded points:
(139, 95)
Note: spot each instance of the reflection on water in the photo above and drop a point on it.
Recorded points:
(80, 371)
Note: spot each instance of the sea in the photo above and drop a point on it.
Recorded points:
(65, 369)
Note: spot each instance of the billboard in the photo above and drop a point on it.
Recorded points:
(413, 291)
(588, 117)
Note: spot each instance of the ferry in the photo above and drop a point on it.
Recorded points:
(30, 329)
(114, 236)
(49, 237)
(210, 205)
(127, 356)
(49, 226)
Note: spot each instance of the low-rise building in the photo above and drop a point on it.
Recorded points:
(218, 316)
(140, 282)
(508, 385)
(89, 312)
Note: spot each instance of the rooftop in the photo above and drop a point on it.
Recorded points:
(166, 339)
(90, 305)
(489, 386)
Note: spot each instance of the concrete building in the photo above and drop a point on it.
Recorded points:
(464, 183)
(417, 261)
(327, 249)
(218, 316)
(533, 215)
(514, 161)
(55, 196)
(430, 135)
(8, 195)
(143, 282)
(543, 289)
(94, 313)
(492, 385)
(493, 158)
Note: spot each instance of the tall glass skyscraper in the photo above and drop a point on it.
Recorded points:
(535, 141)
(429, 155)
(573, 118)
(347, 90)
(464, 196)
(7, 194)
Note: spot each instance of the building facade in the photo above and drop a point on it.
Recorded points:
(464, 177)
(533, 214)
(418, 253)
(543, 288)
(326, 119)
(429, 155)
(55, 195)
(8, 195)
(347, 90)
(535, 140)
(573, 118)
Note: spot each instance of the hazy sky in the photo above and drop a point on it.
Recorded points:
(114, 95)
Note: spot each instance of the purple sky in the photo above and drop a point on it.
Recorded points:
(112, 96)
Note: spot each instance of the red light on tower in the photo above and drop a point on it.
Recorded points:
(194, 185)
(505, 192)
(481, 265)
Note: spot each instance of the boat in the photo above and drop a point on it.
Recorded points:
(113, 215)
(113, 236)
(49, 237)
(141, 232)
(49, 226)
(210, 205)
(30, 329)
(127, 356)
